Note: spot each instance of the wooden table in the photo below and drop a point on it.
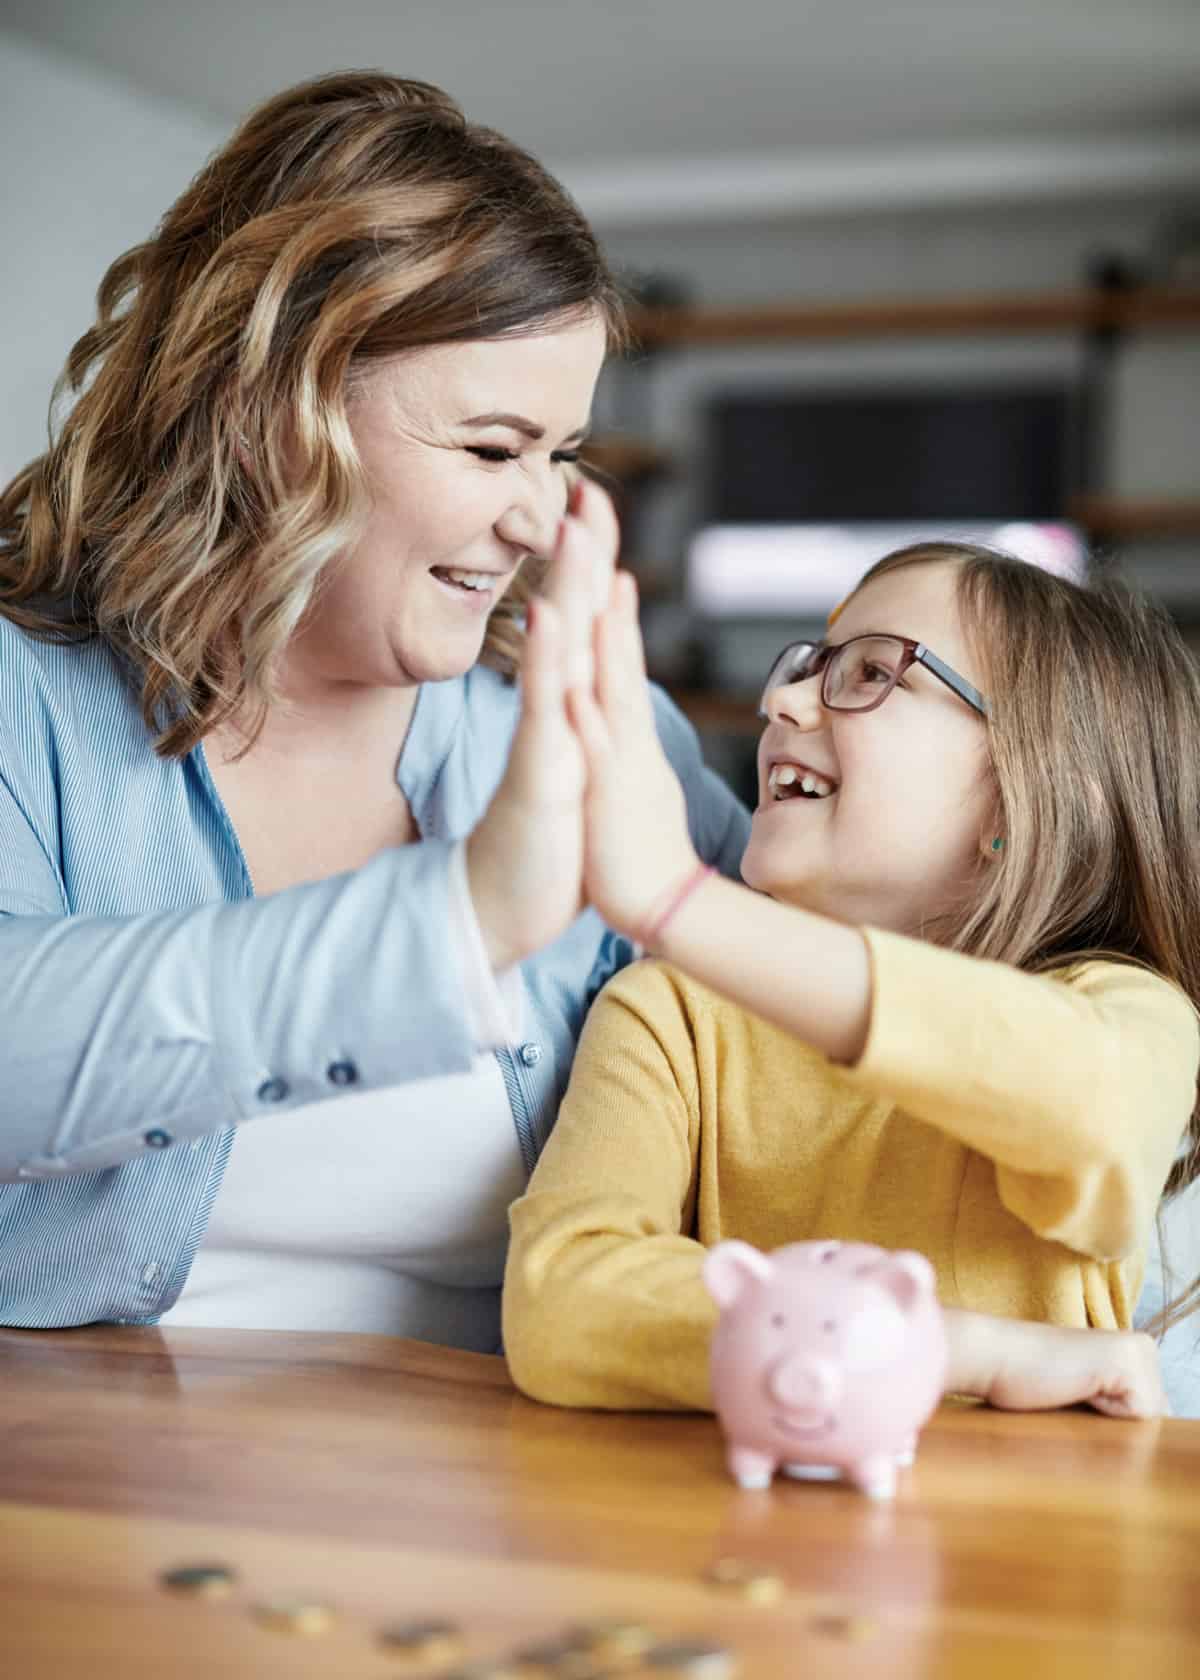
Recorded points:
(398, 1481)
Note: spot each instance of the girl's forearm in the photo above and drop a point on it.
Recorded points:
(1025, 1366)
(805, 972)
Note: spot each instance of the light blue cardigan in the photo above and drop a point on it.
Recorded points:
(149, 1004)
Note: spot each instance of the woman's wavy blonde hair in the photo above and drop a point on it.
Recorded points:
(1094, 731)
(348, 220)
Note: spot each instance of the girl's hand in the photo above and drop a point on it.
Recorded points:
(1021, 1366)
(525, 859)
(637, 850)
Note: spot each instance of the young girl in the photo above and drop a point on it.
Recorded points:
(954, 1013)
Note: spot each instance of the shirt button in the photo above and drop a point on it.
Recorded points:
(530, 1054)
(156, 1138)
(272, 1090)
(341, 1073)
(150, 1272)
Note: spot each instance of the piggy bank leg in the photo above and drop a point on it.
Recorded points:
(906, 1457)
(876, 1477)
(750, 1469)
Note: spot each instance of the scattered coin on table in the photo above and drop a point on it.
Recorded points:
(200, 1580)
(852, 1628)
(562, 1658)
(612, 1638)
(423, 1641)
(294, 1615)
(689, 1660)
(485, 1669)
(756, 1586)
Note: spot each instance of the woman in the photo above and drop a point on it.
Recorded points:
(260, 860)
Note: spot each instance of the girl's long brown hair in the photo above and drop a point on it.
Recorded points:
(348, 220)
(1094, 733)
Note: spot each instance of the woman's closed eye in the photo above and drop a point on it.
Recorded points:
(495, 455)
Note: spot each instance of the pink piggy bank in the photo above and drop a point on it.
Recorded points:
(827, 1359)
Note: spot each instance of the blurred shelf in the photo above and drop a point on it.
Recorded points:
(1144, 308)
(730, 714)
(1113, 516)
(624, 458)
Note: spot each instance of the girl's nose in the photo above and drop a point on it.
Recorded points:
(797, 703)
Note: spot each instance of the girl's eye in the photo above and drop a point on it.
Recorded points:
(494, 456)
(876, 674)
(565, 457)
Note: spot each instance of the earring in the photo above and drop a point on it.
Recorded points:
(998, 844)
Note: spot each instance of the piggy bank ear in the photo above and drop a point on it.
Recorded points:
(730, 1266)
(908, 1278)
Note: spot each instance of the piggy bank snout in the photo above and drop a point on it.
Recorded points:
(805, 1382)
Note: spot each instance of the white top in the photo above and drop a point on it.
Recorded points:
(380, 1211)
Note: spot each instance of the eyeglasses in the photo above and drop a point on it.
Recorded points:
(858, 675)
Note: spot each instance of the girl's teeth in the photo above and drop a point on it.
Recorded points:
(785, 775)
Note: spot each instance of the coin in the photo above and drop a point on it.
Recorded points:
(756, 1586)
(689, 1660)
(294, 1615)
(423, 1641)
(487, 1669)
(852, 1628)
(564, 1659)
(200, 1580)
(611, 1637)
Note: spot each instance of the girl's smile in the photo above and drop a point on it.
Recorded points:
(877, 816)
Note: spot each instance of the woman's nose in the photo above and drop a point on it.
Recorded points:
(797, 703)
(532, 518)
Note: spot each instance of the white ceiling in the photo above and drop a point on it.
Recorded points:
(587, 82)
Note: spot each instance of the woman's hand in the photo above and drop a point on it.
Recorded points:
(525, 859)
(637, 850)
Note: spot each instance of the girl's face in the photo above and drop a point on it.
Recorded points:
(907, 828)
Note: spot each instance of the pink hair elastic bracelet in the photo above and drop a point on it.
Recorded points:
(649, 936)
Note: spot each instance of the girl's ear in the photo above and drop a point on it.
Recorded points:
(730, 1267)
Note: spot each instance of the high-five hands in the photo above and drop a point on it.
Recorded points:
(525, 859)
(637, 849)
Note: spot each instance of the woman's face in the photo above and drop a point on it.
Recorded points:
(466, 449)
(906, 829)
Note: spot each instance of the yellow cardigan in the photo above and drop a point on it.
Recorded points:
(1016, 1129)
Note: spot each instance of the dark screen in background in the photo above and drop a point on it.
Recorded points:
(867, 455)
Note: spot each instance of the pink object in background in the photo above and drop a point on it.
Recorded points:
(827, 1360)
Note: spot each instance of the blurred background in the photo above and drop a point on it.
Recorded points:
(931, 267)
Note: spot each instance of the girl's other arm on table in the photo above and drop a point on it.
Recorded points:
(604, 1304)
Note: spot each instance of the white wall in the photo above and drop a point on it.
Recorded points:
(89, 167)
(91, 163)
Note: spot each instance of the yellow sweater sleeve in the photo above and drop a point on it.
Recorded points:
(603, 1302)
(1077, 1087)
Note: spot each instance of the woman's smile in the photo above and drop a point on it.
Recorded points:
(474, 591)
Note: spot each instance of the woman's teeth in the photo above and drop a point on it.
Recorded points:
(789, 781)
(466, 580)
